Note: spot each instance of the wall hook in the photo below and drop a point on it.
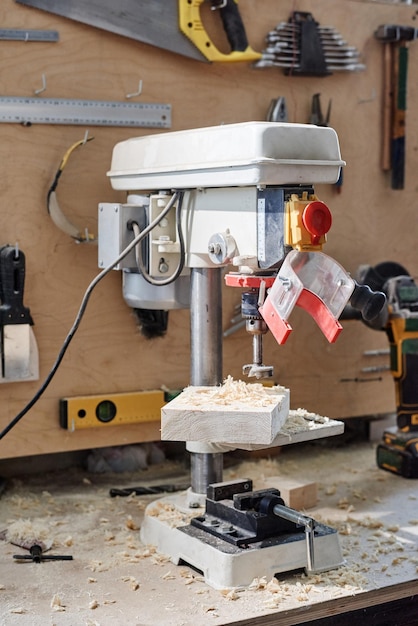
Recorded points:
(371, 99)
(136, 93)
(43, 88)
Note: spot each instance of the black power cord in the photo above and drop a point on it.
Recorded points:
(82, 310)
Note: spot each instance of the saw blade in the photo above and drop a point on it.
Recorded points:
(154, 23)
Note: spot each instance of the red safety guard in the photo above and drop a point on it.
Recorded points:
(316, 308)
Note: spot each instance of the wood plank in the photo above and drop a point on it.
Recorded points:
(209, 414)
(297, 494)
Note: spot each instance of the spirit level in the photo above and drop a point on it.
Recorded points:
(113, 409)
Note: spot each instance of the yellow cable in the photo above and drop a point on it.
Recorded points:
(71, 149)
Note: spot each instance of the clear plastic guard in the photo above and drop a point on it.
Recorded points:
(316, 272)
(285, 291)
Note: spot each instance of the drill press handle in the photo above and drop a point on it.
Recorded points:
(368, 303)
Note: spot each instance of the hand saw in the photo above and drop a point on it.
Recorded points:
(173, 25)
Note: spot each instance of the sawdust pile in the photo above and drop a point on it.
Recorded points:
(171, 515)
(300, 420)
(26, 533)
(234, 394)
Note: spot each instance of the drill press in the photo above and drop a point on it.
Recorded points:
(241, 198)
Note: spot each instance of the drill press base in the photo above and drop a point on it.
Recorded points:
(224, 565)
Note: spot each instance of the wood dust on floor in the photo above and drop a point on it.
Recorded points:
(114, 579)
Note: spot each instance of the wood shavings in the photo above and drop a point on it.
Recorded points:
(331, 490)
(258, 583)
(343, 503)
(393, 529)
(398, 560)
(109, 536)
(98, 566)
(201, 591)
(230, 594)
(25, 502)
(371, 522)
(131, 524)
(236, 392)
(170, 514)
(345, 529)
(132, 581)
(18, 610)
(190, 577)
(57, 604)
(300, 420)
(93, 604)
(273, 586)
(26, 532)
(358, 495)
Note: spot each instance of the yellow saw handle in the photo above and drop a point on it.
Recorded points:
(191, 25)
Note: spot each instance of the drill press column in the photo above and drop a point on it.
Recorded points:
(206, 360)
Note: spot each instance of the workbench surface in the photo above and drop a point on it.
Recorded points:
(115, 579)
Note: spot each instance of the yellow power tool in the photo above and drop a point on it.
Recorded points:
(398, 452)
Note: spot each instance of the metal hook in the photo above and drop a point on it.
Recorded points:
(371, 99)
(221, 4)
(136, 93)
(43, 88)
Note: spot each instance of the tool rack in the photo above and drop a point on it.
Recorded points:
(109, 355)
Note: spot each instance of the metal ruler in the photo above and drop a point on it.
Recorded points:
(13, 34)
(27, 111)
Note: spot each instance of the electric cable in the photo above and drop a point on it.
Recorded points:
(180, 266)
(54, 210)
(81, 312)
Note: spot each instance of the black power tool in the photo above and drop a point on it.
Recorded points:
(398, 452)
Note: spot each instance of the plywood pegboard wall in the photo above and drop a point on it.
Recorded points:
(371, 223)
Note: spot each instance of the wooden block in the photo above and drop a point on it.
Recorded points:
(296, 494)
(234, 413)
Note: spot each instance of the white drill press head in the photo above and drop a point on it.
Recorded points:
(248, 153)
